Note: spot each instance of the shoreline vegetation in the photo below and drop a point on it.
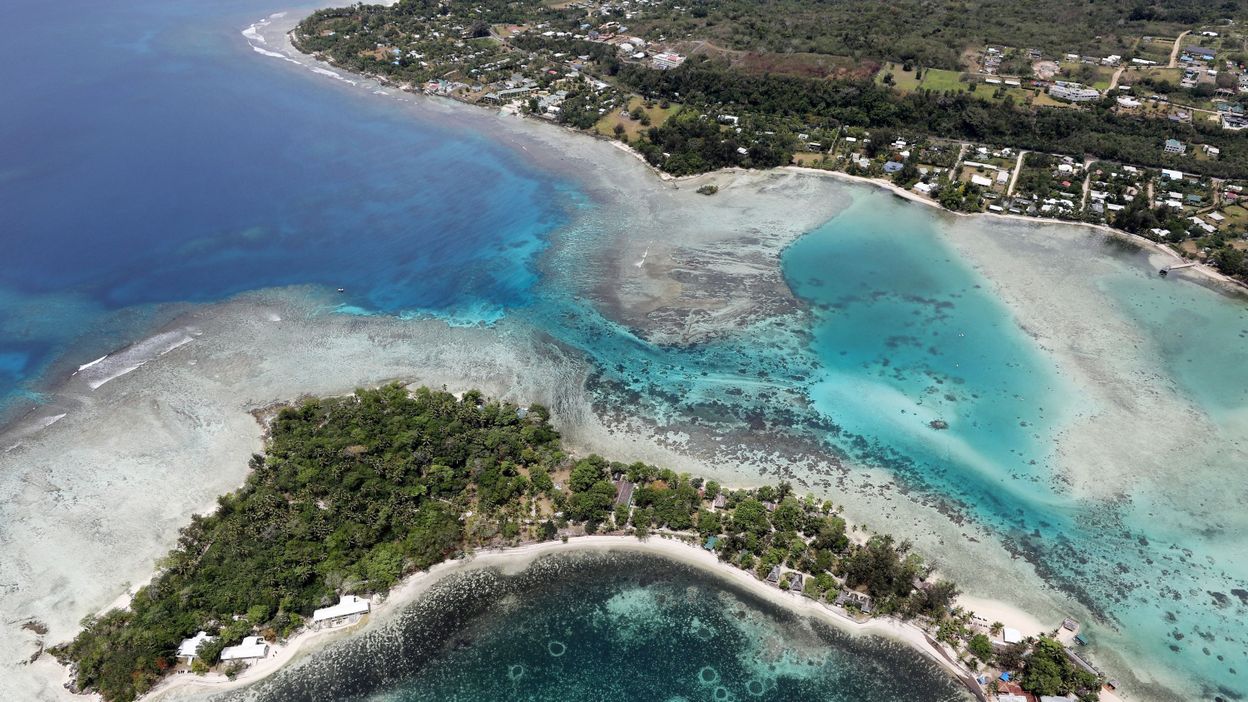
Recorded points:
(374, 493)
(695, 114)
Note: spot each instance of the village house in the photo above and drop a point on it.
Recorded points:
(1174, 146)
(1073, 92)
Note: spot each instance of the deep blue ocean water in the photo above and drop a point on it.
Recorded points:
(149, 160)
(149, 157)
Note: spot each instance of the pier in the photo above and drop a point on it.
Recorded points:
(1166, 271)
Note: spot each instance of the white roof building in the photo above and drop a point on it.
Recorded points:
(189, 648)
(1171, 175)
(981, 181)
(348, 605)
(1011, 636)
(251, 648)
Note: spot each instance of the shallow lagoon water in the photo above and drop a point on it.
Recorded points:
(207, 170)
(609, 626)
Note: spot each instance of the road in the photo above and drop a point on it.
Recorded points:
(1174, 53)
(1018, 168)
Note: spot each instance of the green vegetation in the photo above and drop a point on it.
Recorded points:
(1047, 670)
(354, 493)
(928, 33)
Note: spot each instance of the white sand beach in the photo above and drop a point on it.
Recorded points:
(512, 560)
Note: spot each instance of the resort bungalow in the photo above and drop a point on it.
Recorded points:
(774, 575)
(893, 167)
(188, 650)
(252, 648)
(796, 582)
(348, 611)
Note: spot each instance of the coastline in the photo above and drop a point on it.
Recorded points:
(510, 560)
(1200, 273)
(189, 350)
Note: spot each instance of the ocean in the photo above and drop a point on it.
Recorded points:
(153, 162)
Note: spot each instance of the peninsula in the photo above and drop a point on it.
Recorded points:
(353, 494)
(1053, 125)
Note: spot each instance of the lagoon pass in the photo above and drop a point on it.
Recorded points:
(1050, 422)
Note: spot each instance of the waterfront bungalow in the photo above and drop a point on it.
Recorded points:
(348, 611)
(1011, 636)
(774, 575)
(711, 543)
(893, 167)
(188, 650)
(252, 648)
(720, 502)
(795, 582)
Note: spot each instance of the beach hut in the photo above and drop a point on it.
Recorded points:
(711, 543)
(349, 609)
(252, 648)
(1011, 636)
(188, 650)
(774, 575)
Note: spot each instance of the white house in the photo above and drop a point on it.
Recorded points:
(189, 648)
(1171, 175)
(251, 648)
(981, 181)
(1011, 636)
(349, 609)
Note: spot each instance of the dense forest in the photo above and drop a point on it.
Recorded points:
(353, 493)
(926, 32)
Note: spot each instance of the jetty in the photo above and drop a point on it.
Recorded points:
(1166, 271)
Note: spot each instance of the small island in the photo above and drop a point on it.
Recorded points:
(355, 493)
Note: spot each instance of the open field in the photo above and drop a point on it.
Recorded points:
(633, 127)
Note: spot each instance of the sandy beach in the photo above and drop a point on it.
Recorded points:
(512, 560)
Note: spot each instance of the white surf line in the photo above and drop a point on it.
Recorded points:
(88, 365)
(644, 254)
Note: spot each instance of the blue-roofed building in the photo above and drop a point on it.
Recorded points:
(893, 166)
(711, 543)
(1005, 676)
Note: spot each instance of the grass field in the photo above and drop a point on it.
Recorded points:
(937, 79)
(633, 127)
(809, 159)
(942, 80)
(1235, 215)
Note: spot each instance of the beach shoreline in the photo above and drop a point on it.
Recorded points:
(1201, 273)
(514, 559)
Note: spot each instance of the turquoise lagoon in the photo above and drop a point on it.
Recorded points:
(205, 170)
